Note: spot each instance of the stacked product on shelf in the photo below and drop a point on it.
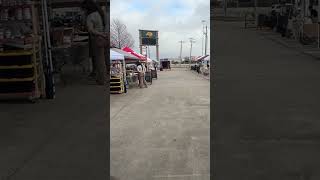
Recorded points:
(116, 85)
(21, 69)
(117, 73)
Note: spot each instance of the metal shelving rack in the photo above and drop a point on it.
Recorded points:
(21, 71)
(116, 85)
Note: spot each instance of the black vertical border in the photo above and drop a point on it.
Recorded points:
(107, 54)
(212, 85)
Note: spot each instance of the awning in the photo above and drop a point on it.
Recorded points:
(149, 60)
(127, 56)
(140, 56)
(201, 58)
(115, 56)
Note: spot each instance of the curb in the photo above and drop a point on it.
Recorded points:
(285, 44)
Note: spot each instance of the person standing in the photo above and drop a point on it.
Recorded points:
(313, 14)
(93, 71)
(98, 39)
(114, 71)
(141, 74)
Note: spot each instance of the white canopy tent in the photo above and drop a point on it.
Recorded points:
(115, 56)
(125, 54)
(149, 60)
(152, 63)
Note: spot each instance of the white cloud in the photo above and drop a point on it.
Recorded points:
(172, 26)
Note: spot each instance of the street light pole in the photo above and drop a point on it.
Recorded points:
(191, 41)
(206, 34)
(181, 52)
(203, 21)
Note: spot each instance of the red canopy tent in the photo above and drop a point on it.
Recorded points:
(140, 56)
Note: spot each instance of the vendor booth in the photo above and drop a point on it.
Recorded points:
(203, 65)
(131, 71)
(144, 60)
(117, 73)
(25, 69)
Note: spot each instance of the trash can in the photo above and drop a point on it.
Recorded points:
(148, 77)
(154, 74)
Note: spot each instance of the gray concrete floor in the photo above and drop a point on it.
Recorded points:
(162, 132)
(266, 114)
(61, 139)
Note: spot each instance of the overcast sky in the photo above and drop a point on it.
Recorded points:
(174, 19)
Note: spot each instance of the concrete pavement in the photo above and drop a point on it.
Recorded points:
(162, 132)
(62, 139)
(266, 114)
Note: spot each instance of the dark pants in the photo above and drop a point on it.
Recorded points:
(282, 26)
(99, 62)
(91, 54)
(93, 65)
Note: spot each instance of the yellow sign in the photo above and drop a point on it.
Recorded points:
(149, 34)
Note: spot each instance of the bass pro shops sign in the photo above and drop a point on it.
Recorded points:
(148, 38)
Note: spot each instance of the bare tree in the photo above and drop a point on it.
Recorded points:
(119, 36)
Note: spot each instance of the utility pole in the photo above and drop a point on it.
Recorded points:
(203, 21)
(191, 41)
(206, 41)
(180, 52)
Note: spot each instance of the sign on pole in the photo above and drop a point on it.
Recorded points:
(148, 38)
